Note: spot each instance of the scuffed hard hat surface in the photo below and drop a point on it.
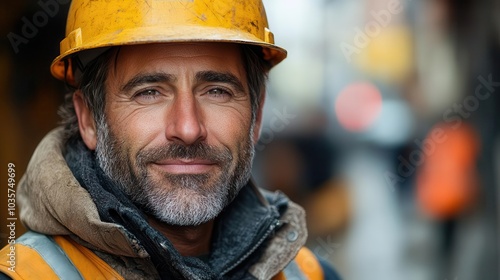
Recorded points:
(98, 23)
(123, 14)
(105, 22)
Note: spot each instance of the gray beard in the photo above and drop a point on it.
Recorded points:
(191, 199)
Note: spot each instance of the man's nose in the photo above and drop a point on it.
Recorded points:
(185, 122)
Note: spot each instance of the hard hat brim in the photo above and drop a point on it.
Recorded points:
(75, 43)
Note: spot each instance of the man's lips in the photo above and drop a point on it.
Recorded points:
(185, 166)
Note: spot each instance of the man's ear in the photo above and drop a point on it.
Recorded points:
(86, 123)
(258, 119)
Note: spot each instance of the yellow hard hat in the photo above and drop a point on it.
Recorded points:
(95, 24)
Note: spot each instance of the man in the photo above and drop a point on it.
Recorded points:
(149, 178)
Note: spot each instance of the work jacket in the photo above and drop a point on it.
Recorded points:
(59, 211)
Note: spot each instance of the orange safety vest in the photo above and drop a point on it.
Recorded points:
(57, 257)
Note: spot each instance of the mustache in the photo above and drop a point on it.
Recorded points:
(199, 150)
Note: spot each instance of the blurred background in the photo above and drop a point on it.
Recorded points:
(382, 122)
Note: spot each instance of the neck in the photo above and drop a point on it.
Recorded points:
(188, 240)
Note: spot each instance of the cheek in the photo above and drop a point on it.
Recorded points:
(137, 128)
(230, 126)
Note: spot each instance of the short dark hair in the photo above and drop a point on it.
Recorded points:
(93, 78)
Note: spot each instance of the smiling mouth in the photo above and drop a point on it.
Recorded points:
(185, 166)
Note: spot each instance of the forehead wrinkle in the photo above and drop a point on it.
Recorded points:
(221, 75)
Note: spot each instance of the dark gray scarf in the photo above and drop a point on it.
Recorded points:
(239, 234)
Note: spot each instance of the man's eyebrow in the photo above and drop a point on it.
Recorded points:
(224, 77)
(145, 78)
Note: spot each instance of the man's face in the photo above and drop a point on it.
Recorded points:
(178, 133)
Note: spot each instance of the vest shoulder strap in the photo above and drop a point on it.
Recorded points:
(305, 266)
(34, 256)
(39, 256)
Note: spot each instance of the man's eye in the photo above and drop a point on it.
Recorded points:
(219, 92)
(147, 94)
